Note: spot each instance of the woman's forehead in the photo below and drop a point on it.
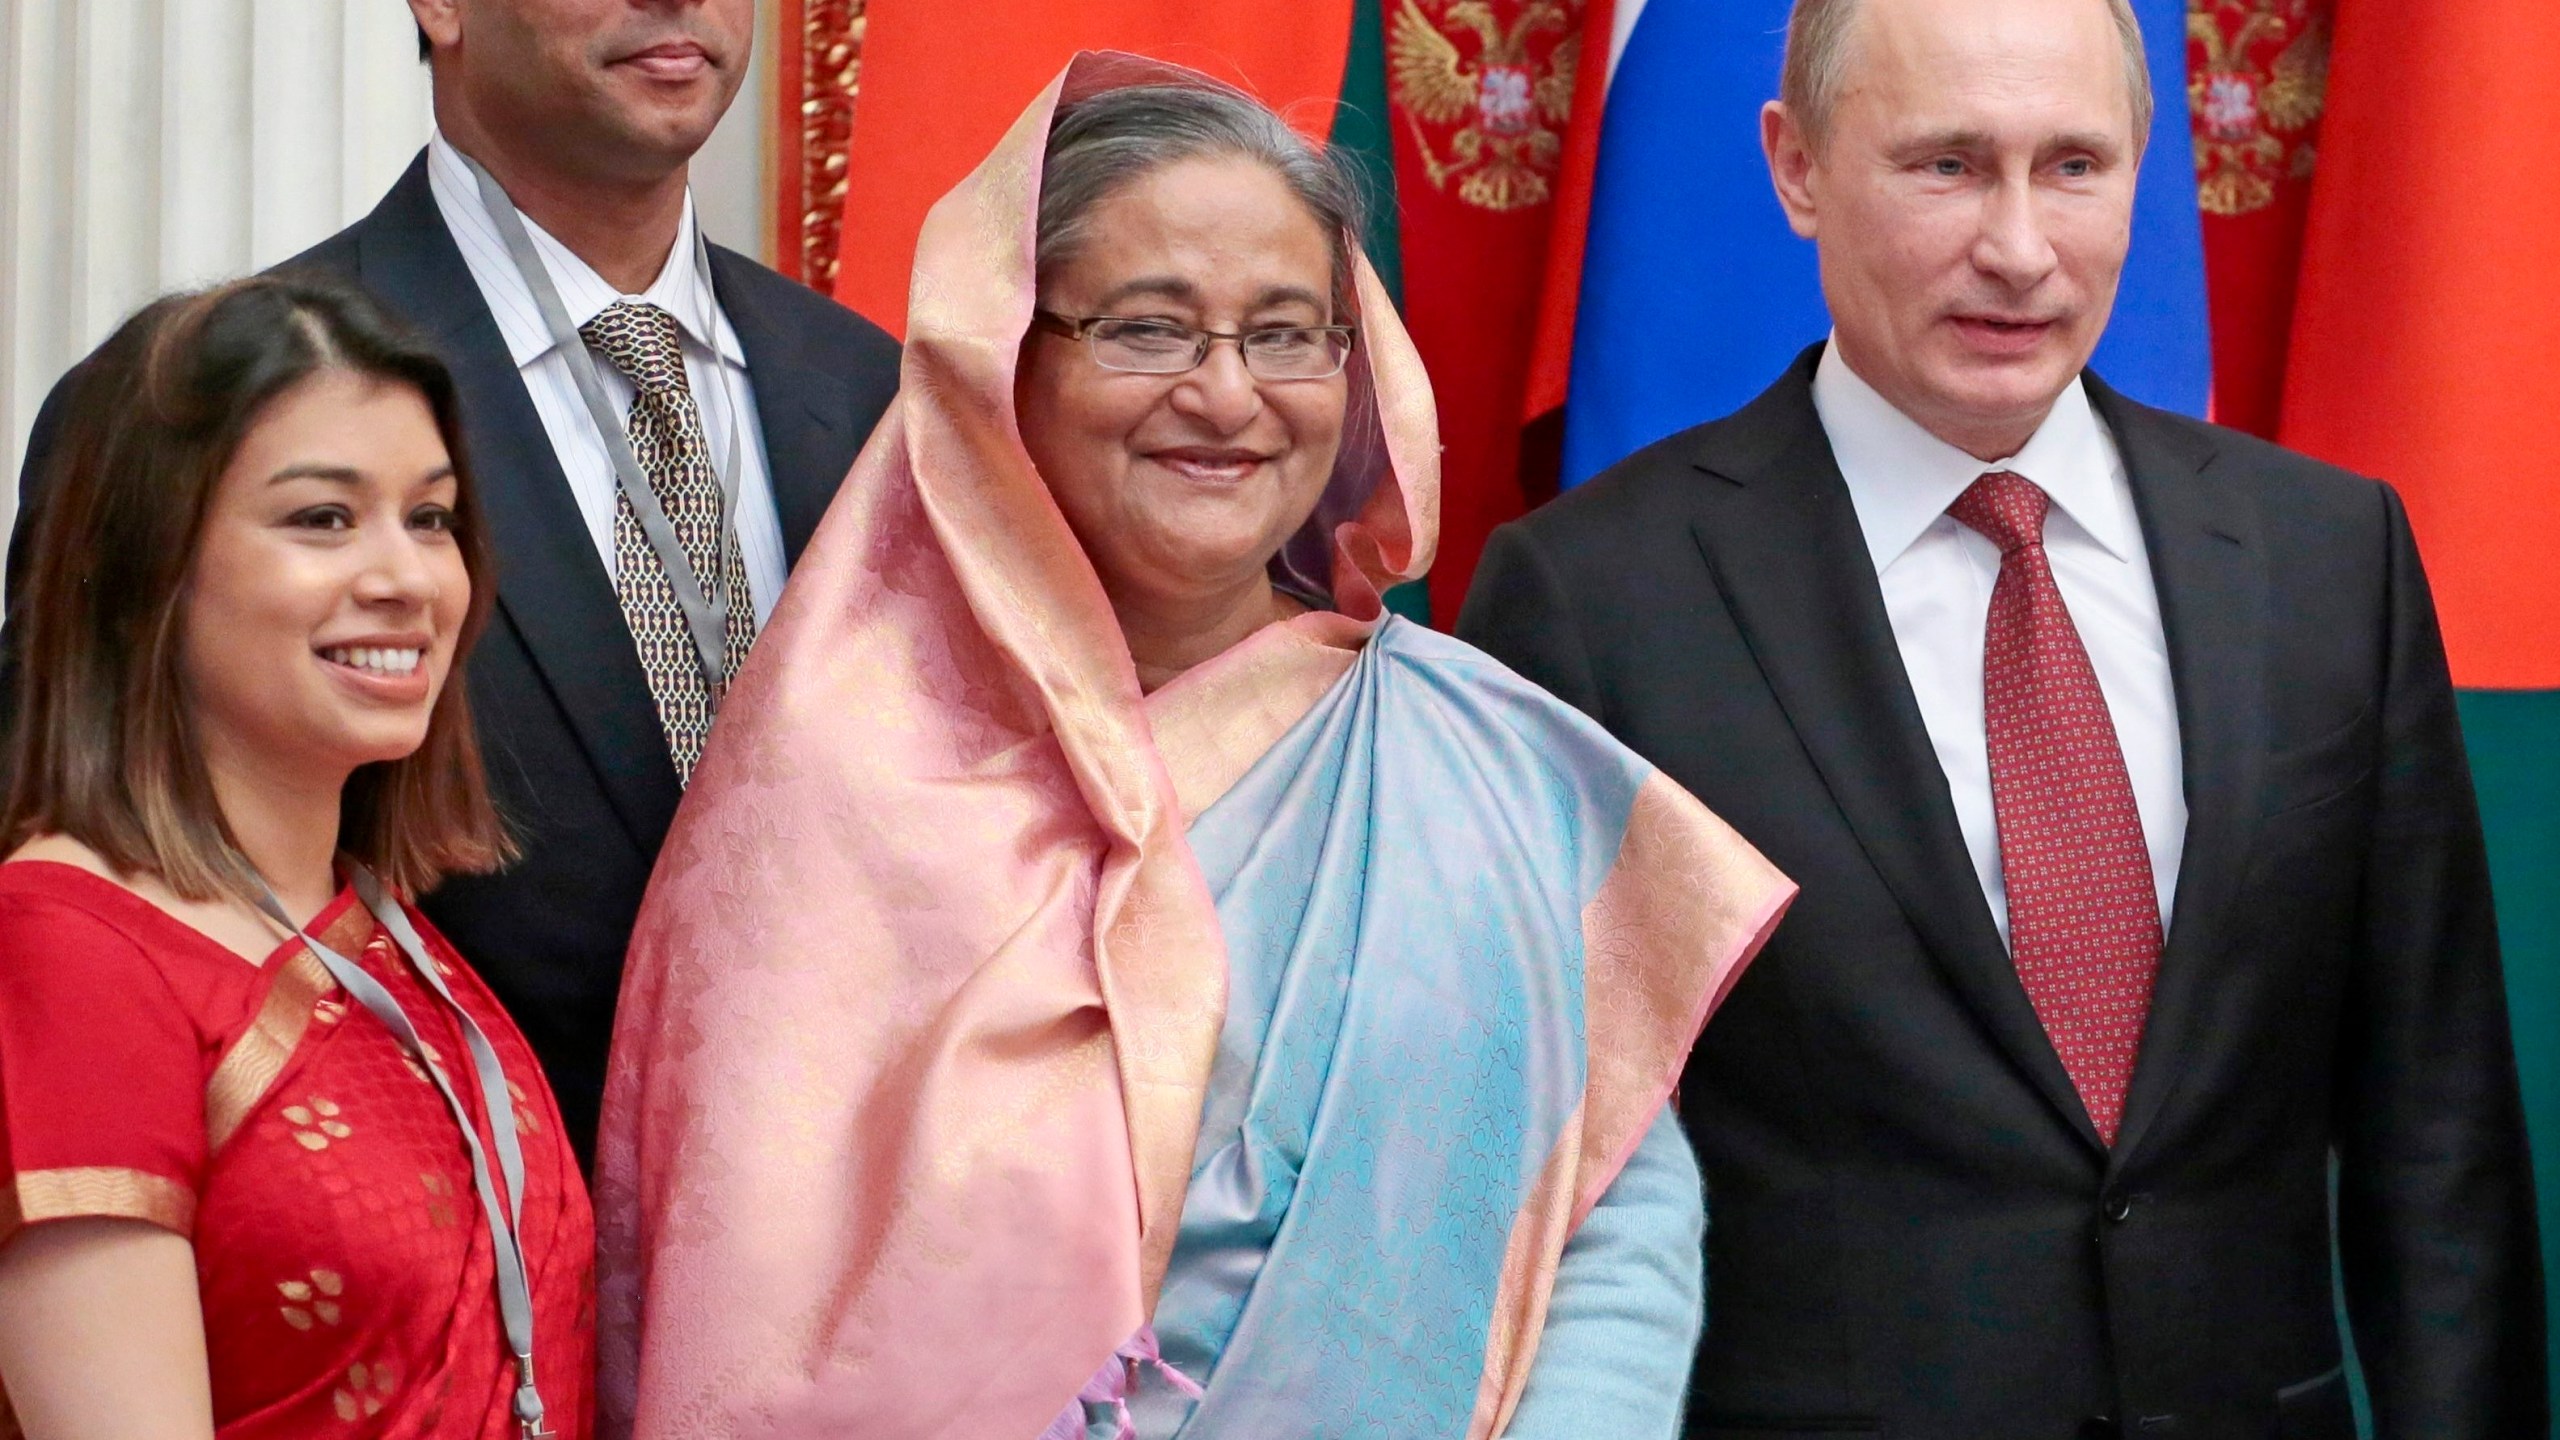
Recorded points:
(1181, 289)
(1202, 230)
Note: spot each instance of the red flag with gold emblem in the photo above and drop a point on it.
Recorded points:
(1479, 93)
(2257, 72)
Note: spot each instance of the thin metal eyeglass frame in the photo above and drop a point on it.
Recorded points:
(1081, 328)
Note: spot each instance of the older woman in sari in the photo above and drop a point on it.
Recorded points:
(1108, 975)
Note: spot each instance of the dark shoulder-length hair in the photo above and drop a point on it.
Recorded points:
(105, 748)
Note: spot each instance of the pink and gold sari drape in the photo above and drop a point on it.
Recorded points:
(922, 1008)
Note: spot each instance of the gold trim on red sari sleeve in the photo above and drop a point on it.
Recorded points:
(95, 1191)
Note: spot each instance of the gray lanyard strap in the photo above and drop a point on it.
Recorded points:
(705, 606)
(515, 1288)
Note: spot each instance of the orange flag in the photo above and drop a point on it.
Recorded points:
(941, 81)
(2426, 339)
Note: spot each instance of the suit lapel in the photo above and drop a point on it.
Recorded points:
(798, 406)
(1781, 536)
(553, 589)
(2208, 567)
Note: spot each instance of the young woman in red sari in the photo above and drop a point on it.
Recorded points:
(272, 1161)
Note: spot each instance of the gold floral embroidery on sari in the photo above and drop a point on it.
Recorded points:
(312, 1299)
(364, 1390)
(317, 1123)
(444, 1202)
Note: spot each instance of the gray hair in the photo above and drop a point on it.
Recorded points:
(1817, 65)
(1103, 143)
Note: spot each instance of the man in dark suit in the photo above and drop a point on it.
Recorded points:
(2143, 884)
(721, 372)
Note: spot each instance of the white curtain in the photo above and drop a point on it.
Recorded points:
(151, 145)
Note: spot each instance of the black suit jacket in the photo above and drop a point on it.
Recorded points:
(1914, 1230)
(576, 756)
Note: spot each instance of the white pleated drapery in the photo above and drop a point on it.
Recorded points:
(151, 145)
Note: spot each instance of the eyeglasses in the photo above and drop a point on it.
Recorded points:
(1161, 347)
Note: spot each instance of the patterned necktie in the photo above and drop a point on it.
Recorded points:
(666, 436)
(2084, 920)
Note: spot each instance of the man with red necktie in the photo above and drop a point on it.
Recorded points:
(2144, 901)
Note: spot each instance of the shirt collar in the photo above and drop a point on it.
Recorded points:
(1902, 478)
(679, 289)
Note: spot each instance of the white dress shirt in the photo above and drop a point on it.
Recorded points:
(715, 366)
(1937, 576)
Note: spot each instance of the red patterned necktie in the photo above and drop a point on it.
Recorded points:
(2084, 918)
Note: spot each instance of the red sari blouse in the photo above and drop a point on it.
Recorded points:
(150, 1073)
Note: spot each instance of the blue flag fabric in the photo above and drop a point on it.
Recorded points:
(1695, 294)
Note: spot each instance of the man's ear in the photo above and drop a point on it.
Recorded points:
(1790, 154)
(439, 23)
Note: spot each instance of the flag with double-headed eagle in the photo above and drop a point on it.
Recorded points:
(1480, 92)
(2257, 79)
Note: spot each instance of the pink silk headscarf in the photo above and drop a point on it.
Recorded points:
(922, 1004)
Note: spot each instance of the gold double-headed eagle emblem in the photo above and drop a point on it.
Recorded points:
(2257, 90)
(1500, 113)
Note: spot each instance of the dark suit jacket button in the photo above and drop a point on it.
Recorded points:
(2100, 1427)
(2117, 1206)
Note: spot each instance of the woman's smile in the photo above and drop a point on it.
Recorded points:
(1220, 466)
(384, 669)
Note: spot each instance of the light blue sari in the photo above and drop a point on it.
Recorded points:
(1402, 882)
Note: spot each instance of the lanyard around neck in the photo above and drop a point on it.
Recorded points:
(705, 607)
(515, 1288)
